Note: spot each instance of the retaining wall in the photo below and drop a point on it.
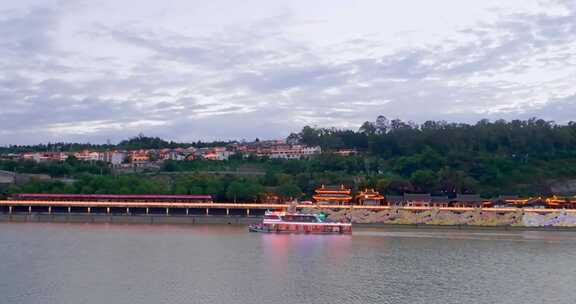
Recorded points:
(438, 217)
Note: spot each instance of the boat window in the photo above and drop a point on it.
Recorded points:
(300, 218)
(271, 217)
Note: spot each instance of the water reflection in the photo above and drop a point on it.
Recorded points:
(78, 263)
(279, 249)
(488, 235)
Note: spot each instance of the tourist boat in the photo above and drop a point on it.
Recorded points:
(284, 222)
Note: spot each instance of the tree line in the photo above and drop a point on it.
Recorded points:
(134, 143)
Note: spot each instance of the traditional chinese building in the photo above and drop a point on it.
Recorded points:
(469, 200)
(439, 201)
(369, 197)
(417, 199)
(394, 200)
(333, 195)
(508, 201)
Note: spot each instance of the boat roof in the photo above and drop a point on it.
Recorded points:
(283, 213)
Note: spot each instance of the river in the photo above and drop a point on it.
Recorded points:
(105, 263)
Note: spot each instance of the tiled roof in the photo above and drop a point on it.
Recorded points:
(421, 197)
(439, 199)
(394, 198)
(467, 198)
(333, 187)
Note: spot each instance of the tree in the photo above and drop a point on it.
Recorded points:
(170, 166)
(270, 178)
(289, 191)
(310, 136)
(425, 180)
(293, 139)
(368, 128)
(382, 125)
(243, 191)
(400, 186)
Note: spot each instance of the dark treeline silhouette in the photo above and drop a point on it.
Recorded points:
(134, 143)
(390, 138)
(489, 157)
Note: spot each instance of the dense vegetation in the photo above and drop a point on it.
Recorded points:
(70, 168)
(490, 158)
(134, 143)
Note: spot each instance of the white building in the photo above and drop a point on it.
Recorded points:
(294, 152)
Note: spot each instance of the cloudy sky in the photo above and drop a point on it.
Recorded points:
(222, 69)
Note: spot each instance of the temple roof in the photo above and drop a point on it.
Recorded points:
(369, 194)
(420, 197)
(503, 198)
(467, 198)
(331, 195)
(440, 199)
(333, 189)
(394, 198)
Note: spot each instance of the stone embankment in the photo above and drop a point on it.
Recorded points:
(451, 217)
(195, 213)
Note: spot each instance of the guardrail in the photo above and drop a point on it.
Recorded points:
(256, 206)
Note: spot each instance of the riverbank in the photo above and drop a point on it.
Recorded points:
(459, 227)
(126, 219)
(155, 219)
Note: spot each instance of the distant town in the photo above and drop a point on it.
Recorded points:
(153, 158)
(271, 149)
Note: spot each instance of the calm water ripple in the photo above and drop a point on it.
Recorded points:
(83, 263)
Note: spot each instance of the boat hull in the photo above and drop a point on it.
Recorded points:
(302, 229)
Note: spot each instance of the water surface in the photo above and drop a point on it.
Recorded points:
(88, 263)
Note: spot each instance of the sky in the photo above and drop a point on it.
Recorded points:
(188, 70)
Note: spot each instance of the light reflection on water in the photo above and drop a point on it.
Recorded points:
(488, 235)
(86, 263)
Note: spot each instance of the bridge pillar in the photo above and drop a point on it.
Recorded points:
(227, 211)
(167, 211)
(10, 209)
(89, 210)
(147, 210)
(187, 211)
(108, 210)
(29, 209)
(127, 210)
(49, 209)
(247, 212)
(207, 211)
(69, 209)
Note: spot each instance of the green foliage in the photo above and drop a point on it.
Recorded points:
(490, 158)
(243, 190)
(289, 191)
(70, 167)
(144, 142)
(425, 180)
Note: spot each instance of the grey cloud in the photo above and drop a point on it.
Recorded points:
(519, 37)
(27, 33)
(278, 78)
(561, 110)
(231, 87)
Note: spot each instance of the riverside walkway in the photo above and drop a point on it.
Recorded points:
(133, 207)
